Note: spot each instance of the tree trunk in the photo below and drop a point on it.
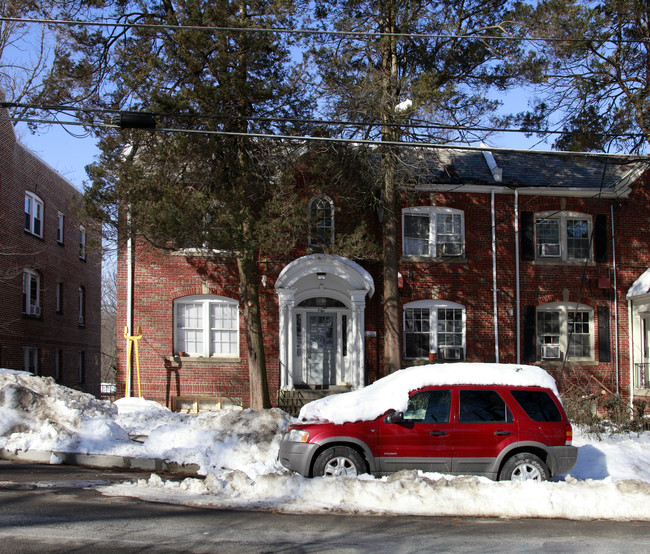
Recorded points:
(392, 351)
(249, 292)
(390, 133)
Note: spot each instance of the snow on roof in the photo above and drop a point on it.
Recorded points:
(640, 286)
(391, 392)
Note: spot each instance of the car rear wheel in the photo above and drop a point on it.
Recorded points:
(524, 467)
(339, 461)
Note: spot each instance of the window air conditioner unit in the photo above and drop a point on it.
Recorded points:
(550, 352)
(451, 353)
(35, 310)
(550, 249)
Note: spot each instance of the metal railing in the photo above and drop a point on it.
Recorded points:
(642, 376)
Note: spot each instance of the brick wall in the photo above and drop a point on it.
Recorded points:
(160, 278)
(52, 331)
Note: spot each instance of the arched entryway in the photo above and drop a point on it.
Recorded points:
(322, 306)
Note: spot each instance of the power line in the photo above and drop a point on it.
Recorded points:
(366, 142)
(306, 31)
(411, 124)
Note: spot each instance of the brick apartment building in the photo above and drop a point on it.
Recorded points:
(516, 257)
(50, 274)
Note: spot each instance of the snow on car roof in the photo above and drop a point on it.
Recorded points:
(391, 392)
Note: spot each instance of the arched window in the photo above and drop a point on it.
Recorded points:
(321, 222)
(206, 326)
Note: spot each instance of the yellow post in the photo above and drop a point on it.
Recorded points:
(132, 344)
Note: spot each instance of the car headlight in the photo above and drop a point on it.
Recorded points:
(298, 435)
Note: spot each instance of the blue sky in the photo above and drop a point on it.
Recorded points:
(67, 154)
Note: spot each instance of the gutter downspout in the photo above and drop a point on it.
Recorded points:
(517, 299)
(615, 303)
(494, 280)
(129, 299)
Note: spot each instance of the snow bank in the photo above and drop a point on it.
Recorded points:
(237, 451)
(391, 392)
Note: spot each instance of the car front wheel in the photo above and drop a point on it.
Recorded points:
(524, 467)
(339, 461)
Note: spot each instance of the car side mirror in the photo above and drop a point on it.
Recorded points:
(394, 417)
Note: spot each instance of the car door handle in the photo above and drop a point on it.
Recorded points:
(437, 433)
(504, 433)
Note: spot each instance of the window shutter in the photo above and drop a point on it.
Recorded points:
(604, 350)
(530, 351)
(600, 238)
(527, 221)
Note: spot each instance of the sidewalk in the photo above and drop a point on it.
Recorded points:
(99, 461)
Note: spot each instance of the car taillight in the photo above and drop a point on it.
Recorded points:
(568, 432)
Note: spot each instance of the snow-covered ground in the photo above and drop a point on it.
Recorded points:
(236, 451)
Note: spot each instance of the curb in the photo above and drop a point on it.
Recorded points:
(98, 461)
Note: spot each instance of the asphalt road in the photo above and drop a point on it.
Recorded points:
(55, 509)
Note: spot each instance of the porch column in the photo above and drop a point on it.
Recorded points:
(287, 336)
(357, 350)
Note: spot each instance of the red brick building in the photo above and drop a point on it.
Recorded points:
(50, 273)
(517, 257)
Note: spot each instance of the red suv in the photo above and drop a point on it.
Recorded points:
(503, 432)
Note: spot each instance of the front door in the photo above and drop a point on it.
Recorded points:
(321, 349)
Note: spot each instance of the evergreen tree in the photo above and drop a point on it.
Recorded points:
(214, 191)
(596, 89)
(216, 184)
(413, 62)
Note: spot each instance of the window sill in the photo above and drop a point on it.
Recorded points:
(558, 262)
(27, 232)
(428, 259)
(204, 360)
(571, 363)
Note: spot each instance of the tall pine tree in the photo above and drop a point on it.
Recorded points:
(215, 191)
(405, 63)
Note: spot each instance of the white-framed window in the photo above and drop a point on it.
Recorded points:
(321, 221)
(33, 214)
(563, 236)
(433, 232)
(31, 293)
(434, 326)
(565, 330)
(82, 242)
(30, 355)
(59, 227)
(206, 326)
(82, 305)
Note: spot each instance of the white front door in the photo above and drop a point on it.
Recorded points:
(321, 354)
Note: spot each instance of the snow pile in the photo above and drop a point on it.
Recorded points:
(41, 413)
(237, 451)
(391, 392)
(38, 414)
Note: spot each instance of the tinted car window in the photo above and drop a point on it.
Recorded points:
(537, 404)
(430, 406)
(482, 406)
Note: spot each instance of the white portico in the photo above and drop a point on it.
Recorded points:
(322, 305)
